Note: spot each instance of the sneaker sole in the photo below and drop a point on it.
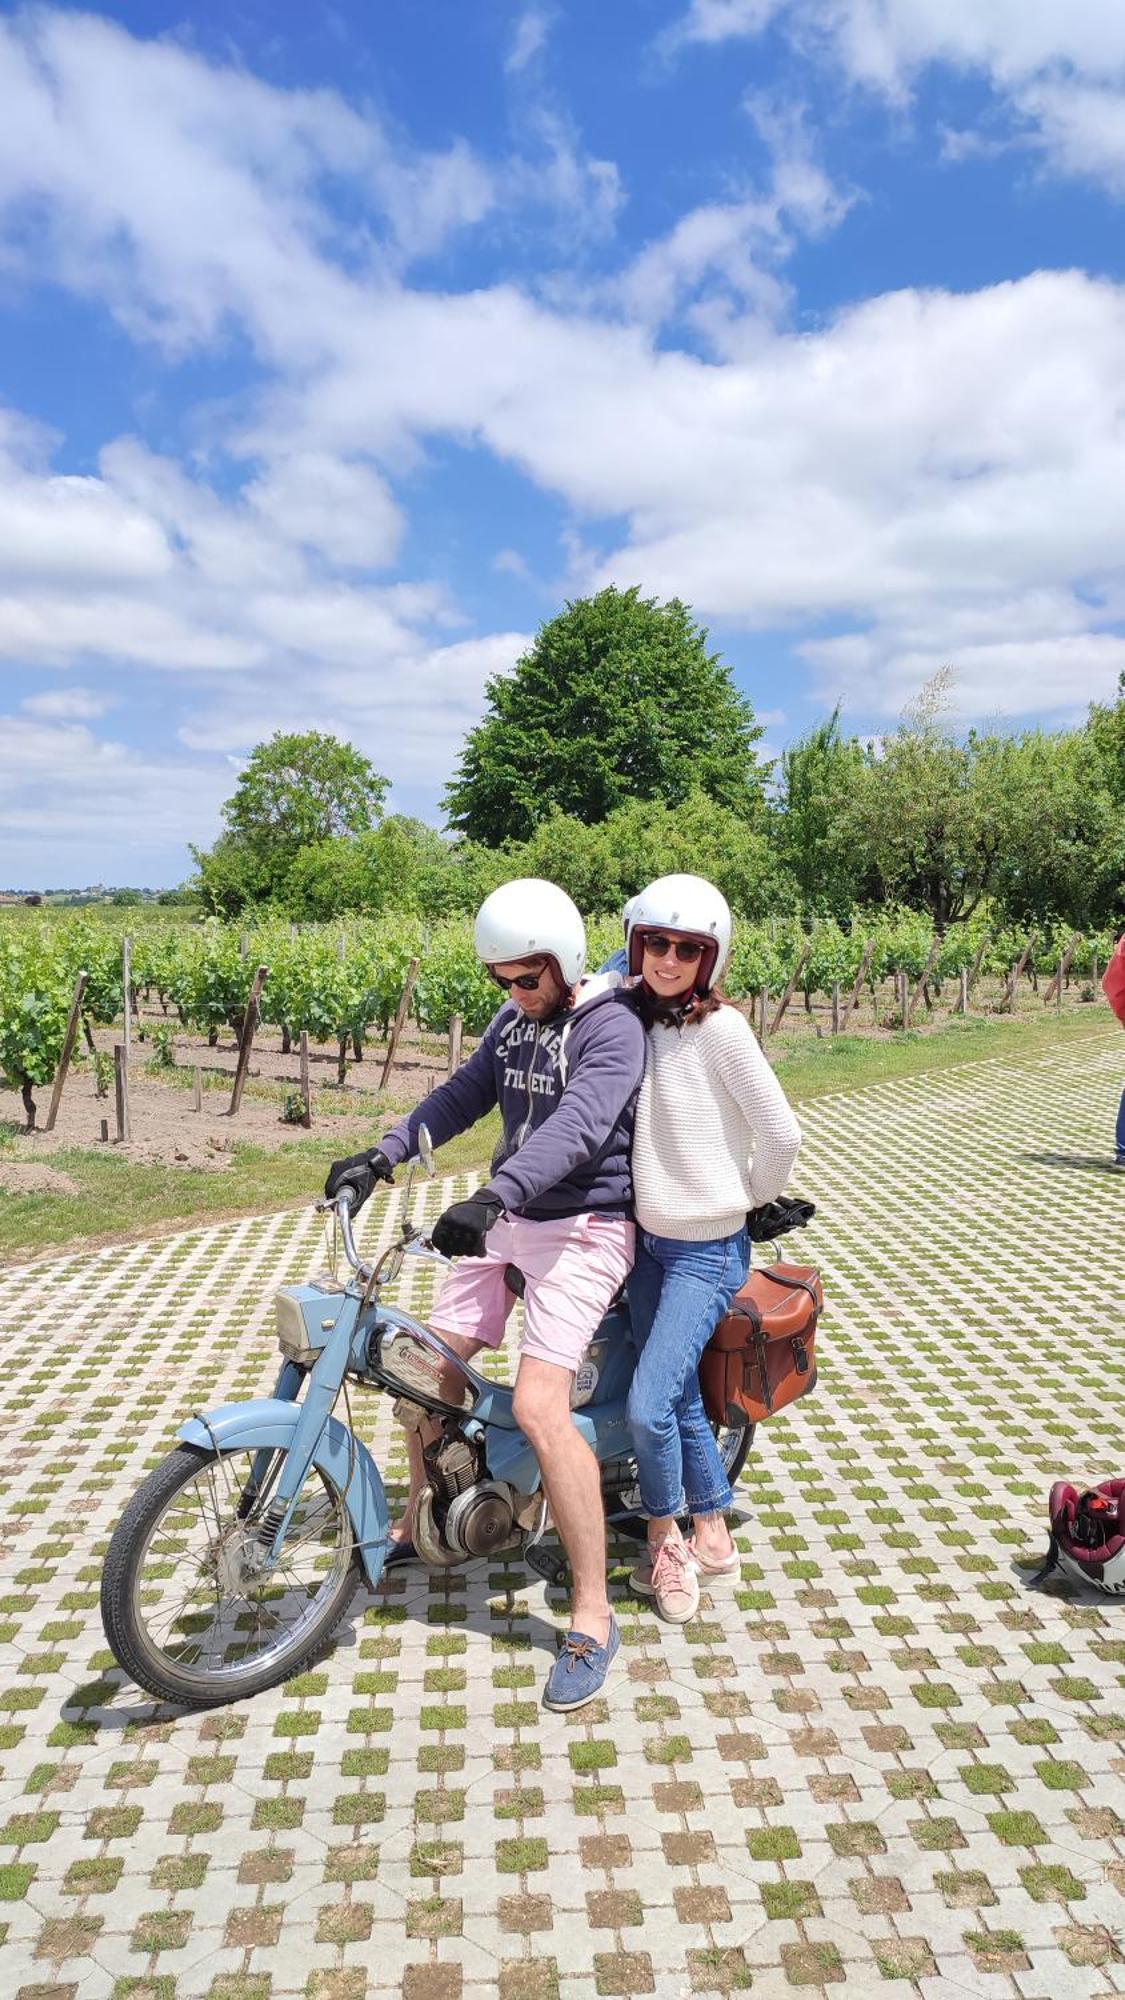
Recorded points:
(677, 1617)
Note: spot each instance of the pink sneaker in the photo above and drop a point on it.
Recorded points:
(674, 1582)
(730, 1566)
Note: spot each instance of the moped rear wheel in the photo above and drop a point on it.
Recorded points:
(188, 1609)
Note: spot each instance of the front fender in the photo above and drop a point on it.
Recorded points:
(266, 1422)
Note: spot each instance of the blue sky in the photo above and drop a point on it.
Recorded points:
(340, 345)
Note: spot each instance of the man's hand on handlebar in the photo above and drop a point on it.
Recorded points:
(360, 1173)
(460, 1231)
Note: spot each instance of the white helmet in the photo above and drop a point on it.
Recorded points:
(532, 919)
(688, 904)
(626, 914)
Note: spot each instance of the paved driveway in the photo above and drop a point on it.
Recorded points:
(880, 1761)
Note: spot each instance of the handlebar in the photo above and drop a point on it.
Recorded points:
(411, 1239)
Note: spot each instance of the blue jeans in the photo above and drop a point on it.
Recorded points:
(678, 1293)
(1121, 1128)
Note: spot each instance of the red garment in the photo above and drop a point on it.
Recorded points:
(1113, 984)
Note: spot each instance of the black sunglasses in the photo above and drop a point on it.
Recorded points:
(686, 949)
(528, 982)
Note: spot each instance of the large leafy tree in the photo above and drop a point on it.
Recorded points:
(297, 790)
(618, 699)
(301, 788)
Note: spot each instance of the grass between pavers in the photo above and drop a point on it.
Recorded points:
(120, 1200)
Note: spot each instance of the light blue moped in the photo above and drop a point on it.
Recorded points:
(239, 1556)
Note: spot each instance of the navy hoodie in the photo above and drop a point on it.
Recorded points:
(567, 1090)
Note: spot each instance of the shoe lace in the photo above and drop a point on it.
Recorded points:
(670, 1565)
(577, 1650)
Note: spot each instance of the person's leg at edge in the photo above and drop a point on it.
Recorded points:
(1121, 1131)
(573, 1486)
(709, 1497)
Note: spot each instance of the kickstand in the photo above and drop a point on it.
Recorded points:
(552, 1568)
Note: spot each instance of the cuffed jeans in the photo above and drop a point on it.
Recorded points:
(1121, 1128)
(678, 1293)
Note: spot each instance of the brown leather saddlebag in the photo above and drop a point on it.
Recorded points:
(763, 1354)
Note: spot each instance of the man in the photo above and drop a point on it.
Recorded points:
(558, 1204)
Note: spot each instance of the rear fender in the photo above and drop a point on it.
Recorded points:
(267, 1424)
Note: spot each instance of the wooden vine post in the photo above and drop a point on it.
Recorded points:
(306, 1096)
(865, 967)
(456, 1029)
(69, 1040)
(790, 989)
(1018, 969)
(126, 988)
(935, 954)
(121, 1093)
(246, 1040)
(1055, 989)
(399, 1020)
(974, 973)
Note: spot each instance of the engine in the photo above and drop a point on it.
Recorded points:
(463, 1513)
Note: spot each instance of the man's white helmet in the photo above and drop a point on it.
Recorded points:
(625, 916)
(532, 919)
(687, 904)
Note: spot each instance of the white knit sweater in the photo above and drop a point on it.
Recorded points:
(714, 1133)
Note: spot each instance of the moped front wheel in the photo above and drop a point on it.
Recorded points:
(190, 1608)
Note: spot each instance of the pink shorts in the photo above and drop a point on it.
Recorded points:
(574, 1267)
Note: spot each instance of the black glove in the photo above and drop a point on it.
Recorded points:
(360, 1173)
(776, 1218)
(460, 1231)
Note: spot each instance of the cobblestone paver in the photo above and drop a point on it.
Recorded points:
(878, 1761)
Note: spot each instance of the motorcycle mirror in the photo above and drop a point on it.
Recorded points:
(426, 1151)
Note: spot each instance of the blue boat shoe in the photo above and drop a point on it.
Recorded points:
(580, 1670)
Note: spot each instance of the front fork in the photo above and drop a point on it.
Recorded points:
(324, 1382)
(286, 1389)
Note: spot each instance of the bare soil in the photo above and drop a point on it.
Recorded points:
(166, 1131)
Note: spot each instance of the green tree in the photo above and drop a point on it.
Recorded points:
(1105, 728)
(926, 817)
(617, 699)
(1063, 850)
(819, 775)
(232, 875)
(295, 791)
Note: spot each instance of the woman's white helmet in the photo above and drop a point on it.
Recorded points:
(532, 919)
(683, 904)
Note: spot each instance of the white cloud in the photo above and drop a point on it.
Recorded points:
(532, 30)
(721, 260)
(72, 704)
(343, 510)
(65, 790)
(1058, 70)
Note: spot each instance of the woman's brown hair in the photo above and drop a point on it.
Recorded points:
(656, 1012)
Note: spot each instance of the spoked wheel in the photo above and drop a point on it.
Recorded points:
(188, 1606)
(734, 1442)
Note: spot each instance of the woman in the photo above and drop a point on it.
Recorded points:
(714, 1137)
